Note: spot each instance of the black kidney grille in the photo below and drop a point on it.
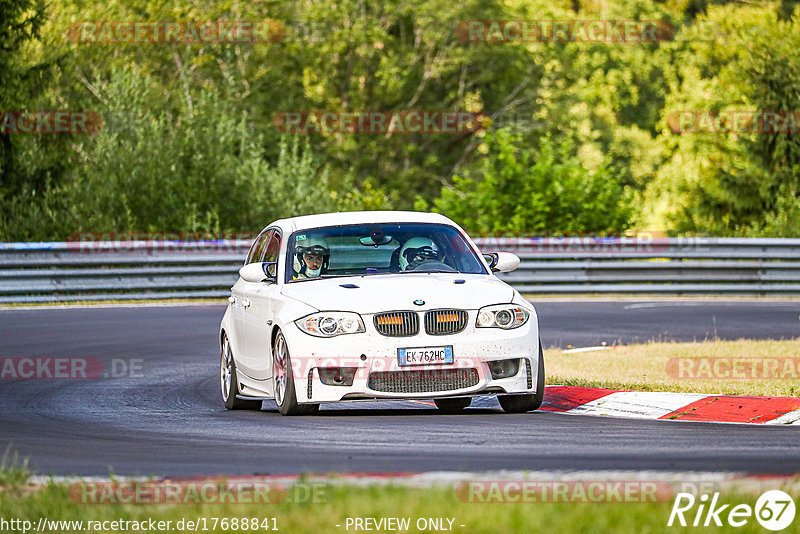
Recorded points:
(443, 322)
(397, 324)
(423, 380)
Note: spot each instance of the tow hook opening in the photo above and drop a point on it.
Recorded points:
(337, 376)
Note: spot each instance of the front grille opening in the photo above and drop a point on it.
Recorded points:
(397, 324)
(423, 380)
(443, 322)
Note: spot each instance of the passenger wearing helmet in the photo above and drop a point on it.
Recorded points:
(311, 257)
(416, 251)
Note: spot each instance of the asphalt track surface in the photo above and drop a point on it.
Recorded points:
(167, 418)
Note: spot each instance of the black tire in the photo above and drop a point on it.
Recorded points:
(526, 403)
(287, 401)
(230, 387)
(453, 406)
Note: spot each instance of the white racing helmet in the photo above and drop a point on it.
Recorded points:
(415, 251)
(312, 245)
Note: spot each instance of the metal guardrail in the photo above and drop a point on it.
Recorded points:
(59, 271)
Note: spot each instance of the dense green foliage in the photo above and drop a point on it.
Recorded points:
(578, 134)
(748, 183)
(546, 191)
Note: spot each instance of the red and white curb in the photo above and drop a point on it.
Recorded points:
(673, 406)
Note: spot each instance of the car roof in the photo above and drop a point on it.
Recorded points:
(359, 217)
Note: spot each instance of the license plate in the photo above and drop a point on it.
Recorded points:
(425, 356)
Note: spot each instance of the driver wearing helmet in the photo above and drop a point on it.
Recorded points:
(311, 257)
(416, 251)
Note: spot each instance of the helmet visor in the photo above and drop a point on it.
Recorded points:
(416, 256)
(316, 250)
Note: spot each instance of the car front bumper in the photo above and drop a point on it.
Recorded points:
(373, 360)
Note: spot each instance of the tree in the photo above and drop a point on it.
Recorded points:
(22, 82)
(543, 192)
(731, 183)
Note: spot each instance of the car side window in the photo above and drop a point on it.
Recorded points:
(273, 246)
(257, 250)
(271, 250)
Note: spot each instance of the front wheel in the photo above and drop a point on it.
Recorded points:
(526, 403)
(229, 383)
(285, 395)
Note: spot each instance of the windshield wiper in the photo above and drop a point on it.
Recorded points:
(431, 271)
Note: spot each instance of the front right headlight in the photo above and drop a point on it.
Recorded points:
(505, 316)
(330, 324)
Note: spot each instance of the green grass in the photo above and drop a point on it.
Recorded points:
(14, 472)
(337, 503)
(646, 367)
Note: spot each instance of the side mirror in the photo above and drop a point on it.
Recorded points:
(503, 262)
(258, 272)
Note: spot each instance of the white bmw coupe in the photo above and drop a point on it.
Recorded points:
(376, 305)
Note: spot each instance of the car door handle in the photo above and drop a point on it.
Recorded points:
(246, 303)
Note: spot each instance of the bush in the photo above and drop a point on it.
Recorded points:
(200, 169)
(536, 191)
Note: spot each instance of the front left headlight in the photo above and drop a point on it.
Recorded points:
(505, 316)
(330, 324)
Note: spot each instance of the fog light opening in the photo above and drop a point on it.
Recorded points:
(337, 376)
(504, 368)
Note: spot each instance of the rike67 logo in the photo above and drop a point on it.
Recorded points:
(774, 510)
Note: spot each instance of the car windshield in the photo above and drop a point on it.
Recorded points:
(374, 249)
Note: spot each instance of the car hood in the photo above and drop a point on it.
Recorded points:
(377, 293)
